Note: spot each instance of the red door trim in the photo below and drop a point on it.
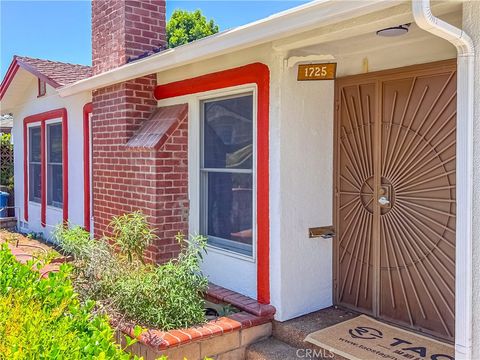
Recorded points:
(258, 74)
(42, 118)
(87, 110)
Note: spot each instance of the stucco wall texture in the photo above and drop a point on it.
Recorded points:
(471, 25)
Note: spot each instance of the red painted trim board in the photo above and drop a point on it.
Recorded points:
(42, 118)
(258, 74)
(43, 174)
(12, 70)
(87, 110)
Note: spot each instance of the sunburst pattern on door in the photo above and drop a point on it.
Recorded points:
(395, 199)
(355, 195)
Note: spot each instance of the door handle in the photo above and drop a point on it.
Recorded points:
(383, 200)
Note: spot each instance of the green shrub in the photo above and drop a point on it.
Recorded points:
(132, 234)
(75, 241)
(166, 296)
(43, 318)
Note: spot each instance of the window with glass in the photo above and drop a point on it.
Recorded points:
(34, 166)
(54, 165)
(227, 173)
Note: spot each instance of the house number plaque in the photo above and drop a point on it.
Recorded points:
(317, 72)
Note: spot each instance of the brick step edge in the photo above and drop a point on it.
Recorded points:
(217, 293)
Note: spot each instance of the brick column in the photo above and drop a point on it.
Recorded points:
(124, 180)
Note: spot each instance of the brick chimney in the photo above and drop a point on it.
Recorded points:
(125, 179)
(122, 29)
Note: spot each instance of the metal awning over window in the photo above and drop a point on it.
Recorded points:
(155, 131)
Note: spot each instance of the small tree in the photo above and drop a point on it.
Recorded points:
(184, 27)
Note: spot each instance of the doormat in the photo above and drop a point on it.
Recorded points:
(364, 338)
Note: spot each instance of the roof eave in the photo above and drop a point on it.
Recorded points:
(7, 79)
(12, 70)
(38, 74)
(293, 21)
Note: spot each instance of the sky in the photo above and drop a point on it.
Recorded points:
(60, 30)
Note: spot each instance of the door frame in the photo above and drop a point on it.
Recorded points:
(378, 77)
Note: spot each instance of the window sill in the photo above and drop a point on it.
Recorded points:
(233, 254)
(54, 208)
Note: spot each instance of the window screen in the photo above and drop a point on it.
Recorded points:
(34, 166)
(227, 187)
(54, 165)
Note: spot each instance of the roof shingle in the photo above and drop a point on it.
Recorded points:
(58, 73)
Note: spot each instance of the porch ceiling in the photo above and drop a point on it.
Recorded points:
(356, 48)
(400, 14)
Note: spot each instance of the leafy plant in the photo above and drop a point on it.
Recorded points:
(35, 235)
(43, 318)
(227, 310)
(75, 241)
(185, 26)
(96, 267)
(132, 234)
(167, 296)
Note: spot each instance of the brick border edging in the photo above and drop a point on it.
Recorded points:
(252, 314)
(245, 303)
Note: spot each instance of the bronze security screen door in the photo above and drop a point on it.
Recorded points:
(395, 196)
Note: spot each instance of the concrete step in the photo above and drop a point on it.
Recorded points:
(294, 331)
(287, 337)
(272, 349)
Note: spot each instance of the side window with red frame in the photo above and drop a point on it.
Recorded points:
(42, 88)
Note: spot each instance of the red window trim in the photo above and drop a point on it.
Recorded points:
(259, 74)
(42, 118)
(87, 110)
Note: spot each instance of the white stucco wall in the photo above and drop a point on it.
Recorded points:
(31, 105)
(303, 186)
(471, 24)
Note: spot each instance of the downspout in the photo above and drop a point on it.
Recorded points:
(424, 18)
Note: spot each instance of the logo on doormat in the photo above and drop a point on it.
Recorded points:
(365, 332)
(405, 348)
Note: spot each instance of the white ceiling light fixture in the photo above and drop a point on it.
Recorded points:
(394, 31)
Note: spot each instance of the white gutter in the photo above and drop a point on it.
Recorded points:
(464, 186)
(299, 19)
